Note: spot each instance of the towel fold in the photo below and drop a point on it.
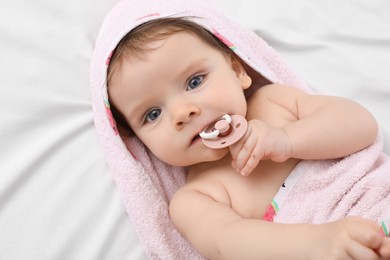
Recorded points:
(357, 185)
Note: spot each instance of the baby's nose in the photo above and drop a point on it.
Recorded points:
(183, 114)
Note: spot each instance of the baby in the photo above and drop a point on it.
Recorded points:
(169, 78)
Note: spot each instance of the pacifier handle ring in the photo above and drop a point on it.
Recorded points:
(227, 118)
(210, 135)
(215, 133)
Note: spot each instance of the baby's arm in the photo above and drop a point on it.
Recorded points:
(316, 126)
(218, 232)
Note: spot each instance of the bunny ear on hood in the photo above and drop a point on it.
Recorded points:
(145, 183)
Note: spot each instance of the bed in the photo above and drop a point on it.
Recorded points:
(57, 198)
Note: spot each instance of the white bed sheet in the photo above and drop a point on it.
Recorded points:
(57, 198)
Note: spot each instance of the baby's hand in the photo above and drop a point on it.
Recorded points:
(350, 238)
(260, 142)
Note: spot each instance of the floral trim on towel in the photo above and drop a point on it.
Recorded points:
(271, 212)
(385, 225)
(224, 40)
(108, 60)
(110, 117)
(147, 16)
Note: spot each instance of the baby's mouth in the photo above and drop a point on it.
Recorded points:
(196, 138)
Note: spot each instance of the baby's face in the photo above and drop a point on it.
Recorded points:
(176, 90)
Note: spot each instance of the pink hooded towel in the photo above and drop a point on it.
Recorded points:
(146, 184)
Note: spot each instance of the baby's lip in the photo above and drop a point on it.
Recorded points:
(196, 135)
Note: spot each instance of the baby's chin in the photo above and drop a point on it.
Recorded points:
(209, 155)
(212, 155)
(217, 154)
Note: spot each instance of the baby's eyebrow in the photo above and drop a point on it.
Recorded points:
(188, 68)
(135, 114)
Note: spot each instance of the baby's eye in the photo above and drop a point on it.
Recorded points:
(195, 82)
(152, 114)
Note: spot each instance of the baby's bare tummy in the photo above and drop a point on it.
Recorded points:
(251, 196)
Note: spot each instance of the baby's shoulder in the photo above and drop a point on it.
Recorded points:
(274, 104)
(277, 91)
(198, 195)
(210, 182)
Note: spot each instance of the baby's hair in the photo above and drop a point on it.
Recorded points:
(136, 44)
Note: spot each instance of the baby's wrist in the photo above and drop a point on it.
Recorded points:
(289, 148)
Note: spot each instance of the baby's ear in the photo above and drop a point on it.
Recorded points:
(241, 73)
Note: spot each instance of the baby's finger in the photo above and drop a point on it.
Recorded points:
(234, 164)
(245, 153)
(367, 234)
(237, 147)
(384, 249)
(359, 251)
(253, 160)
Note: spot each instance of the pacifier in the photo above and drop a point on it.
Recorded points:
(224, 132)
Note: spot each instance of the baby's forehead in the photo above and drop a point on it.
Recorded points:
(140, 48)
(167, 33)
(142, 40)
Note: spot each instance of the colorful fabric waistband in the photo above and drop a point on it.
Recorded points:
(282, 194)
